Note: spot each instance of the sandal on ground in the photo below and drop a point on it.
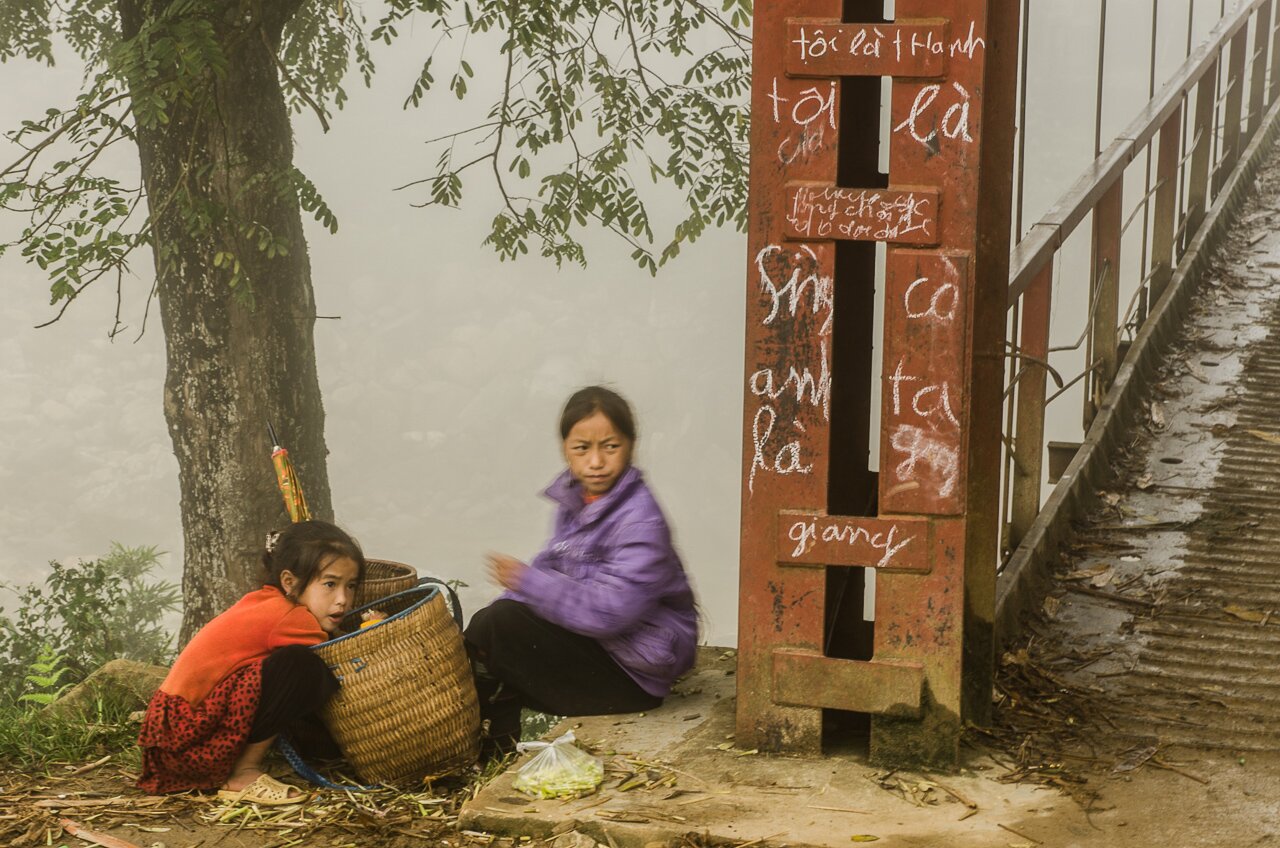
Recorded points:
(265, 790)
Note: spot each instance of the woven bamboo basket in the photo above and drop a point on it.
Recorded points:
(407, 707)
(382, 578)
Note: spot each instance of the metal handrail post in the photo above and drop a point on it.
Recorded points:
(1028, 441)
(1258, 72)
(1275, 53)
(1166, 206)
(1198, 190)
(1108, 220)
(1233, 111)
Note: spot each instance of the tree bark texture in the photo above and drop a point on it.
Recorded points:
(231, 367)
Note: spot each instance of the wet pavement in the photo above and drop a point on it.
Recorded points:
(1175, 581)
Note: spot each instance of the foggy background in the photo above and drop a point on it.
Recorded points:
(444, 375)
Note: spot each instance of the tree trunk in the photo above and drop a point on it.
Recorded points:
(232, 367)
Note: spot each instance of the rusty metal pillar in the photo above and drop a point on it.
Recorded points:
(1028, 440)
(1165, 218)
(1274, 84)
(1201, 154)
(1102, 354)
(815, 514)
(1258, 71)
(1232, 110)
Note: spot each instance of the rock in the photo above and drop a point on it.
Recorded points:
(573, 839)
(125, 685)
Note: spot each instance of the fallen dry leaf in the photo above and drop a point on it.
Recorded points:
(1265, 436)
(1051, 606)
(1087, 573)
(1157, 416)
(1246, 614)
(1134, 758)
(106, 840)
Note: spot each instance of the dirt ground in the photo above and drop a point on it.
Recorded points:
(1174, 797)
(99, 804)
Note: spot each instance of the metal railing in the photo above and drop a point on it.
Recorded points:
(1189, 137)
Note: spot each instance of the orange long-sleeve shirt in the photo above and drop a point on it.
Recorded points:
(251, 629)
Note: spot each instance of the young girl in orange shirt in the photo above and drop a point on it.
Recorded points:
(249, 672)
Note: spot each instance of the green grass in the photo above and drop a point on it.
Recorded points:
(31, 738)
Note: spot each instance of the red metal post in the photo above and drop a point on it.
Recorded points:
(1102, 355)
(1232, 109)
(1274, 85)
(786, 422)
(945, 216)
(1201, 130)
(1165, 219)
(1028, 440)
(1258, 70)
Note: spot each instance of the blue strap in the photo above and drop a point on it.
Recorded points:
(305, 771)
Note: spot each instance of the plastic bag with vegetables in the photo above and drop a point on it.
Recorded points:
(561, 769)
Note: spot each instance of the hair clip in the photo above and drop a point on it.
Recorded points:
(273, 539)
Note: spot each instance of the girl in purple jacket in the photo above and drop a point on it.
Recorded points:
(602, 620)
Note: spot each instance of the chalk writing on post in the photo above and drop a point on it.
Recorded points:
(797, 303)
(926, 454)
(869, 42)
(928, 118)
(833, 49)
(807, 115)
(936, 302)
(907, 49)
(870, 542)
(922, 383)
(830, 212)
(803, 282)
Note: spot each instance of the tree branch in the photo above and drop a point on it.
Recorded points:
(302, 92)
(635, 48)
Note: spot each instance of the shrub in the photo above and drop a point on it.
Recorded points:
(44, 680)
(86, 615)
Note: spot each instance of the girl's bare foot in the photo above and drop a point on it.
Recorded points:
(248, 768)
(240, 779)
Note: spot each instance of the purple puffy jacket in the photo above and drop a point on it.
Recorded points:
(610, 572)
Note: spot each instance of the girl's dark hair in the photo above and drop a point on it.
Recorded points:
(587, 402)
(305, 548)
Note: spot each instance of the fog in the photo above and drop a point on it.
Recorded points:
(444, 369)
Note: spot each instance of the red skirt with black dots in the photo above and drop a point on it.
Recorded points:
(194, 747)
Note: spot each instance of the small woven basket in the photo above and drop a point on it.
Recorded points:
(407, 708)
(382, 578)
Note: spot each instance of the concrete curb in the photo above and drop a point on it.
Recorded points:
(1023, 581)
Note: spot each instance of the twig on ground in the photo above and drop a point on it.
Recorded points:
(1019, 833)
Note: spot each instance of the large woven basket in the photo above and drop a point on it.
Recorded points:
(382, 578)
(407, 708)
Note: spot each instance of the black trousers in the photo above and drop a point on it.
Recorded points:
(296, 684)
(523, 660)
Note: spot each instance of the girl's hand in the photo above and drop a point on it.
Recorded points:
(506, 571)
